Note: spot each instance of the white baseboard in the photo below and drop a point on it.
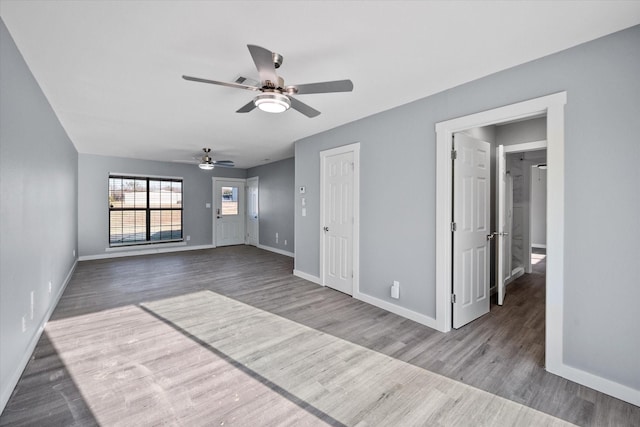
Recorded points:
(598, 383)
(8, 387)
(306, 276)
(276, 250)
(133, 252)
(396, 309)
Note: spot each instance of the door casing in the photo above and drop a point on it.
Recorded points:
(553, 107)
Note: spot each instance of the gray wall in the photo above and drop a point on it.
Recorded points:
(38, 210)
(522, 131)
(93, 212)
(276, 203)
(602, 127)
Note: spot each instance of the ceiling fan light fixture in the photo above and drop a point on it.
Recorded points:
(206, 166)
(272, 102)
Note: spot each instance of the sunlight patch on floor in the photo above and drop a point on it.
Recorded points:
(536, 258)
(203, 358)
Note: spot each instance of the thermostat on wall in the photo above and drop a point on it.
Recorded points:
(303, 189)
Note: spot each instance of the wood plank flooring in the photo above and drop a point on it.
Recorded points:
(229, 337)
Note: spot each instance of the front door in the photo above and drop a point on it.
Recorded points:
(471, 210)
(230, 212)
(338, 220)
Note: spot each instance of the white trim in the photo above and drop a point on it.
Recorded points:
(162, 250)
(11, 384)
(276, 250)
(396, 309)
(603, 385)
(538, 245)
(307, 276)
(137, 175)
(214, 180)
(553, 106)
(519, 271)
(125, 248)
(525, 146)
(355, 148)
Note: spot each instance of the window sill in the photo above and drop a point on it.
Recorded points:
(144, 246)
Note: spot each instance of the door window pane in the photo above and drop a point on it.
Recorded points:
(229, 200)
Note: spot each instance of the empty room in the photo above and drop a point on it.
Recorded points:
(205, 215)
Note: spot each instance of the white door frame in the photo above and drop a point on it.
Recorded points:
(214, 181)
(246, 195)
(355, 148)
(553, 107)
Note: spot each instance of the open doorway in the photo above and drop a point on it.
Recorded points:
(553, 107)
(494, 213)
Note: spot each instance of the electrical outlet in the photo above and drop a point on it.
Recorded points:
(276, 237)
(188, 238)
(50, 286)
(24, 323)
(32, 305)
(285, 243)
(73, 253)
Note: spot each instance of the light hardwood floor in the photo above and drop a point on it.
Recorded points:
(229, 337)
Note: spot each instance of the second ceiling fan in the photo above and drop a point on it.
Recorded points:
(275, 97)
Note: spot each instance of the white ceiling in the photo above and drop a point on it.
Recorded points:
(112, 69)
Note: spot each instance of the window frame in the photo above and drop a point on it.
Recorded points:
(148, 209)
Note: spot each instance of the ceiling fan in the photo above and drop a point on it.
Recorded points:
(275, 97)
(206, 162)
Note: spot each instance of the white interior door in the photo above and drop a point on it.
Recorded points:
(230, 212)
(252, 212)
(471, 210)
(338, 220)
(503, 238)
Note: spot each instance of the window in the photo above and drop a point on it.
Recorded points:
(229, 200)
(144, 210)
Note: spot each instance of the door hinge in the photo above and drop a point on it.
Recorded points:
(353, 166)
(453, 298)
(454, 154)
(454, 226)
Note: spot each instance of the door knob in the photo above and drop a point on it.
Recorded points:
(326, 228)
(492, 235)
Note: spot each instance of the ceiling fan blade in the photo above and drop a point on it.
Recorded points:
(220, 162)
(303, 108)
(223, 165)
(263, 58)
(323, 87)
(215, 82)
(246, 107)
